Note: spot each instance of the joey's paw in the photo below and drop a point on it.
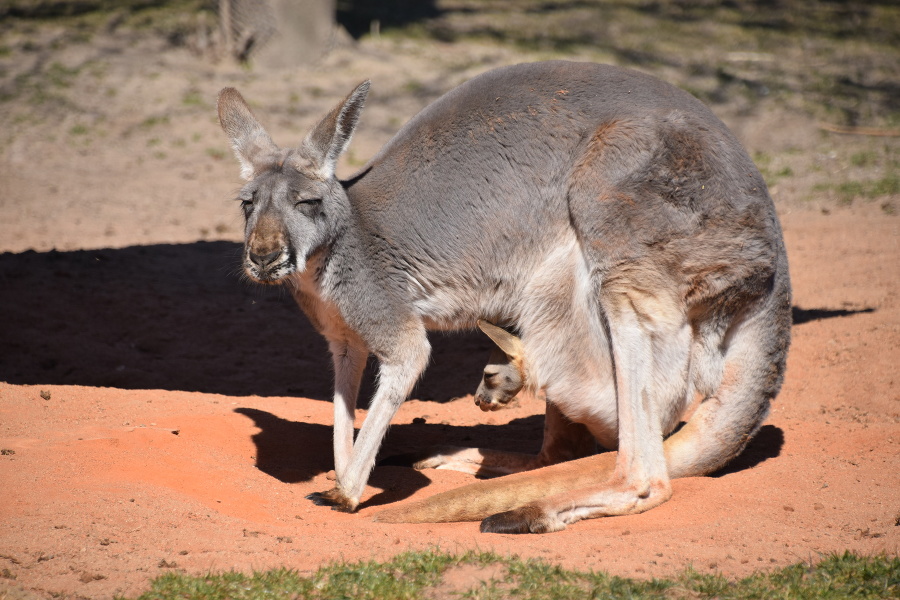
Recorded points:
(489, 404)
(431, 458)
(527, 519)
(334, 498)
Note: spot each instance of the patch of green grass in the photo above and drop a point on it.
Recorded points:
(864, 159)
(784, 171)
(215, 153)
(886, 186)
(194, 98)
(848, 191)
(764, 162)
(415, 575)
(59, 75)
(413, 86)
(151, 122)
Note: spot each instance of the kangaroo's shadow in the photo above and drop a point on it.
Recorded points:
(177, 317)
(805, 315)
(765, 445)
(294, 452)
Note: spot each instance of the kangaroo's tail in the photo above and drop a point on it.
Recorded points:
(480, 500)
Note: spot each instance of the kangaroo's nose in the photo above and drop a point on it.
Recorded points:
(265, 260)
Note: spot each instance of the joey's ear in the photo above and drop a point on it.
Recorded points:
(510, 344)
(328, 140)
(250, 141)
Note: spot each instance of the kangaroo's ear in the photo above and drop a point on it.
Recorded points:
(328, 140)
(250, 141)
(510, 344)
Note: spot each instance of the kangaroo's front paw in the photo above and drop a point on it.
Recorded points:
(334, 498)
(488, 404)
(527, 519)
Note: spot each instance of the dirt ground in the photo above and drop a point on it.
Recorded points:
(157, 413)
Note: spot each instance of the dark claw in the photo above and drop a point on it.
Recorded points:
(518, 520)
(333, 498)
(320, 499)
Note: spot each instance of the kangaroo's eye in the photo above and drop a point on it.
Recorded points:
(307, 202)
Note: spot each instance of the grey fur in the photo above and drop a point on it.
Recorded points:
(608, 216)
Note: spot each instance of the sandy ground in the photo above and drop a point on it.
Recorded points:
(158, 413)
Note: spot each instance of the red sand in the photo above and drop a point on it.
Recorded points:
(106, 485)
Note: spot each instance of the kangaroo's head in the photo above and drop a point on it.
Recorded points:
(292, 203)
(505, 375)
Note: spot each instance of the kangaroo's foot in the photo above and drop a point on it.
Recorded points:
(527, 519)
(334, 498)
(615, 497)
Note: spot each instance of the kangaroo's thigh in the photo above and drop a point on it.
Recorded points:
(752, 355)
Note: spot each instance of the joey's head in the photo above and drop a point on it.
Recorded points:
(293, 204)
(504, 376)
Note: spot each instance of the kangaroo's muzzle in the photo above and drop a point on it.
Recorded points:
(268, 267)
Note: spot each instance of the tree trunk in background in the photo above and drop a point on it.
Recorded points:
(278, 33)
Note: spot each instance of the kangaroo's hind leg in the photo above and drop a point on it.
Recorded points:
(752, 358)
(650, 341)
(743, 365)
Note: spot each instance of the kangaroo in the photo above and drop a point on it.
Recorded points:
(609, 217)
(505, 375)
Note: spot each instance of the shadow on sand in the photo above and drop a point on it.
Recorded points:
(178, 317)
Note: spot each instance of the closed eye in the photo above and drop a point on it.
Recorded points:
(307, 202)
(246, 204)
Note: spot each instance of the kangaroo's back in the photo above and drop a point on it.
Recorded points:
(529, 119)
(505, 166)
